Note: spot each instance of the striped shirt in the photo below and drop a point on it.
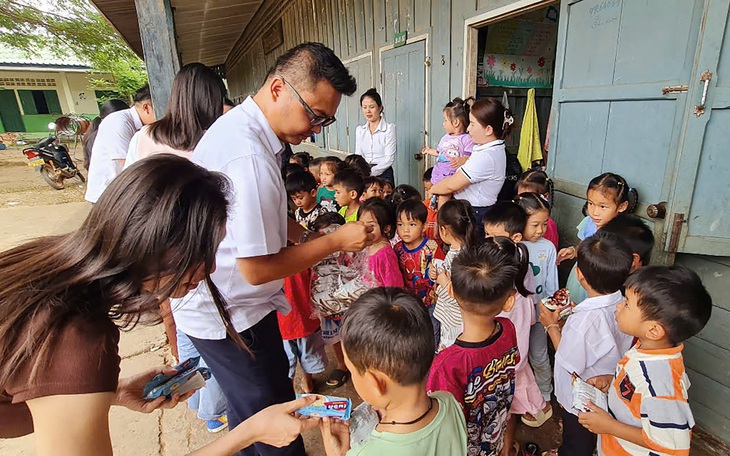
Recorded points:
(650, 392)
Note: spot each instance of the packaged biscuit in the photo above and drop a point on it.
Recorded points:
(330, 406)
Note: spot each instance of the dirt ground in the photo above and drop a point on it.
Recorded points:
(30, 208)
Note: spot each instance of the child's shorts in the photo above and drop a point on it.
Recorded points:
(310, 353)
(331, 328)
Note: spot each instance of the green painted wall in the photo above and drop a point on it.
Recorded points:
(38, 122)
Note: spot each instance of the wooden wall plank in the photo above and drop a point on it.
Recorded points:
(710, 394)
(360, 34)
(407, 15)
(422, 13)
(459, 12)
(368, 21)
(392, 24)
(352, 37)
(334, 20)
(440, 67)
(344, 33)
(379, 14)
(711, 360)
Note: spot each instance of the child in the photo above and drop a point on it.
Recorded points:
(302, 189)
(382, 262)
(387, 189)
(326, 192)
(455, 144)
(427, 180)
(348, 185)
(537, 181)
(589, 344)
(359, 164)
(457, 229)
(479, 369)
(608, 195)
(416, 253)
(314, 166)
(402, 193)
(634, 231)
(331, 323)
(301, 158)
(388, 348)
(528, 399)
(373, 188)
(505, 218)
(300, 331)
(544, 273)
(648, 411)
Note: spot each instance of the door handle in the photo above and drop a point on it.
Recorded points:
(418, 156)
(705, 77)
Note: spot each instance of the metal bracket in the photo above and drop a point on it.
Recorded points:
(705, 77)
(677, 224)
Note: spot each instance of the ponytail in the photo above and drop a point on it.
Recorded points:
(618, 188)
(458, 216)
(523, 262)
(491, 112)
(458, 109)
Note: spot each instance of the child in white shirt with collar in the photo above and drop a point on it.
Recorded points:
(590, 343)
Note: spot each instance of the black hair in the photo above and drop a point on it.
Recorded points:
(428, 174)
(316, 161)
(531, 203)
(291, 168)
(388, 329)
(618, 189)
(483, 276)
(372, 93)
(301, 181)
(605, 260)
(491, 112)
(507, 214)
(413, 209)
(458, 217)
(350, 180)
(458, 109)
(228, 102)
(359, 164)
(382, 212)
(372, 180)
(675, 297)
(303, 158)
(404, 192)
(537, 180)
(327, 219)
(634, 231)
(308, 63)
(142, 94)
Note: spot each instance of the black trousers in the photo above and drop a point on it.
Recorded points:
(478, 218)
(577, 440)
(388, 175)
(253, 383)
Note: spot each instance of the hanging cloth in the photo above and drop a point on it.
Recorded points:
(530, 149)
(505, 100)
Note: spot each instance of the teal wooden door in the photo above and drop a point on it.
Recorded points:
(610, 110)
(699, 209)
(10, 113)
(363, 72)
(403, 92)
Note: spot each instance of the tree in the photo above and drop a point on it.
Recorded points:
(73, 27)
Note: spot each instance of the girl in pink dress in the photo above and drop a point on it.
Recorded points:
(383, 263)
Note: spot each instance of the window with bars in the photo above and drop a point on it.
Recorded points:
(27, 82)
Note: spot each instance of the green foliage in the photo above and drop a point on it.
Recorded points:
(73, 28)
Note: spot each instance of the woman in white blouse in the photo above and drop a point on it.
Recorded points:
(376, 139)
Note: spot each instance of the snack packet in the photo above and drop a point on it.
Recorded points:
(187, 377)
(329, 406)
(584, 392)
(362, 423)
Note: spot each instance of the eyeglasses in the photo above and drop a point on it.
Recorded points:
(317, 121)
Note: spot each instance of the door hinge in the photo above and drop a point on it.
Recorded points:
(676, 233)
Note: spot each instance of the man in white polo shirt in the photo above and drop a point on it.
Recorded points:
(112, 142)
(300, 96)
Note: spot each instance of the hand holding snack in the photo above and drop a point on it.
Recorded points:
(130, 389)
(278, 425)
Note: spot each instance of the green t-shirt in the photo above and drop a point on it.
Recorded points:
(445, 435)
(325, 195)
(350, 218)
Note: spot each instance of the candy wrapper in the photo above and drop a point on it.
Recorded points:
(584, 392)
(362, 423)
(338, 280)
(327, 406)
(187, 377)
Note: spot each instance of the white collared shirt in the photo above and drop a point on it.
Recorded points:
(242, 146)
(110, 148)
(377, 147)
(486, 170)
(591, 345)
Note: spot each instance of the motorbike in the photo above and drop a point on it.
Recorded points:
(53, 161)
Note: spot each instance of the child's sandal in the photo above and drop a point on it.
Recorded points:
(337, 378)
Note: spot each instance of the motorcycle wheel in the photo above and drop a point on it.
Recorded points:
(47, 174)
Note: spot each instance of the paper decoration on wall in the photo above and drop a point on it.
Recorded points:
(520, 54)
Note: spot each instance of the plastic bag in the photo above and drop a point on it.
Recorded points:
(339, 279)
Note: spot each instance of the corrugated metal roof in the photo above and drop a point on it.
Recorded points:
(40, 58)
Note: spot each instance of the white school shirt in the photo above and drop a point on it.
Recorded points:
(591, 345)
(242, 146)
(543, 269)
(110, 146)
(486, 170)
(378, 147)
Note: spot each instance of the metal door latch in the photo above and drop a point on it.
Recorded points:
(674, 89)
(705, 77)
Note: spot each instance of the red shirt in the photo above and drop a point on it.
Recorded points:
(302, 320)
(431, 231)
(551, 233)
(416, 265)
(481, 376)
